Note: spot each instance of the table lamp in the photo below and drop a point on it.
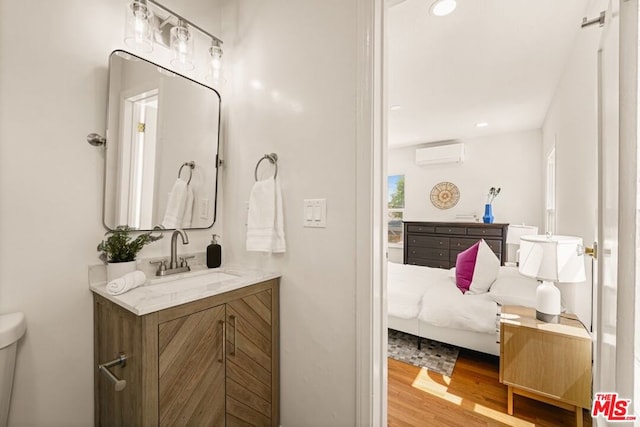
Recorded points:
(551, 259)
(514, 233)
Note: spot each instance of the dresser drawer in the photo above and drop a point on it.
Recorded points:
(427, 242)
(462, 243)
(428, 253)
(420, 229)
(453, 256)
(429, 263)
(495, 232)
(451, 230)
(465, 243)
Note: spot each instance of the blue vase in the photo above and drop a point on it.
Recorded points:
(488, 214)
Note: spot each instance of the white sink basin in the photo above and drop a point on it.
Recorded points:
(208, 279)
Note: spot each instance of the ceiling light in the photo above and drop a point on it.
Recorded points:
(482, 125)
(395, 107)
(442, 7)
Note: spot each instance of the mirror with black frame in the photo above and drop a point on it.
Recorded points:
(162, 145)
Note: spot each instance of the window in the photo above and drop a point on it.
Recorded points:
(550, 205)
(395, 205)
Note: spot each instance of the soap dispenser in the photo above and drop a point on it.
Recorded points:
(214, 254)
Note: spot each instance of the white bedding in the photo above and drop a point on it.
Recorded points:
(431, 295)
(406, 284)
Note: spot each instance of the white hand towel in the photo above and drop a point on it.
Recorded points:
(126, 283)
(188, 209)
(175, 205)
(265, 223)
(279, 245)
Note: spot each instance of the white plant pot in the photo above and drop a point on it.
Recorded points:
(119, 269)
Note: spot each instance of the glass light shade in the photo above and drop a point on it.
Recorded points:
(139, 26)
(214, 71)
(181, 43)
(443, 7)
(552, 258)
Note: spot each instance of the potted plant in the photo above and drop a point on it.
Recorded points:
(119, 250)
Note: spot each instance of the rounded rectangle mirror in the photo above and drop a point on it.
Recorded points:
(161, 159)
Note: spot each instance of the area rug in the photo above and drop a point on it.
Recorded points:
(433, 355)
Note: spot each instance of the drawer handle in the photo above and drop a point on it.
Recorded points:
(235, 334)
(450, 230)
(484, 231)
(224, 342)
(413, 252)
(104, 368)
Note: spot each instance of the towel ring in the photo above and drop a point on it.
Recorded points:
(273, 159)
(191, 165)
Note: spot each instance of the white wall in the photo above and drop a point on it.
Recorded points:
(509, 161)
(292, 92)
(53, 84)
(572, 125)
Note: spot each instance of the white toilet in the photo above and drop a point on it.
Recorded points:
(12, 327)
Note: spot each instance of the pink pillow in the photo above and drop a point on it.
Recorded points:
(465, 264)
(476, 269)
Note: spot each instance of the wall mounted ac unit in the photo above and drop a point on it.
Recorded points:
(439, 154)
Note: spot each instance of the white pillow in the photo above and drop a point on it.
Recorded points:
(485, 271)
(512, 288)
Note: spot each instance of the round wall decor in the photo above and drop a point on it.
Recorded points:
(445, 195)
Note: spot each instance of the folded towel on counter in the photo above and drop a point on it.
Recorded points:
(265, 223)
(188, 209)
(126, 283)
(176, 205)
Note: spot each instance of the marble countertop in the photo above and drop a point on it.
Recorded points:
(169, 291)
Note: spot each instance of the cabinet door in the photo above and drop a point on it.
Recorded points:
(250, 365)
(117, 331)
(191, 369)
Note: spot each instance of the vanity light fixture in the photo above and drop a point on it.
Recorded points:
(149, 23)
(442, 7)
(138, 26)
(182, 46)
(214, 72)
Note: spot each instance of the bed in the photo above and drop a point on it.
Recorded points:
(426, 302)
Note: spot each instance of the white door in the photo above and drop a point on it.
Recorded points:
(616, 315)
(607, 280)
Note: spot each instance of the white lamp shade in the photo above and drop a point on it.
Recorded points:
(516, 231)
(552, 258)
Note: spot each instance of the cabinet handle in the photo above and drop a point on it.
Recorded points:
(224, 341)
(104, 368)
(235, 335)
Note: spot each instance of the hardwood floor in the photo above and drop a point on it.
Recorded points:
(472, 397)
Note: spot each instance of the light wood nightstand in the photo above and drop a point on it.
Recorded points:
(545, 361)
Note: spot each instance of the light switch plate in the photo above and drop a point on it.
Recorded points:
(314, 213)
(203, 208)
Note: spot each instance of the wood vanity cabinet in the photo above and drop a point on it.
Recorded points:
(210, 362)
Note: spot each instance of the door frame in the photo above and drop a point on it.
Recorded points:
(627, 199)
(371, 140)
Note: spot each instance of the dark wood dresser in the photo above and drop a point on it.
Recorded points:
(437, 244)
